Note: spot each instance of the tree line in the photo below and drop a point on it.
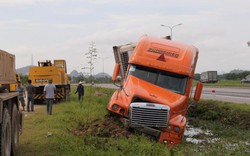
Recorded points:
(234, 76)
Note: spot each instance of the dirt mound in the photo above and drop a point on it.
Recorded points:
(99, 94)
(109, 126)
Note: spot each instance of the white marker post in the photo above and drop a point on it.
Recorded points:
(213, 93)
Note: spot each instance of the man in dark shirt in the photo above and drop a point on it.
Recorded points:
(80, 90)
(30, 89)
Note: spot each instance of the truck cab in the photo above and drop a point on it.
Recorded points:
(157, 76)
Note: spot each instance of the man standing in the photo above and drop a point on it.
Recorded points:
(21, 96)
(49, 91)
(30, 89)
(80, 90)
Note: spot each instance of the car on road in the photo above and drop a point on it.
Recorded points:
(246, 79)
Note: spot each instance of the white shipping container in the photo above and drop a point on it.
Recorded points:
(209, 77)
(122, 54)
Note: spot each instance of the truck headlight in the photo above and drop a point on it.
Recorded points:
(115, 107)
(122, 111)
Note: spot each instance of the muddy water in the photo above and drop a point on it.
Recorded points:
(197, 135)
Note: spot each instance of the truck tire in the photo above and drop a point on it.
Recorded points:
(15, 131)
(5, 130)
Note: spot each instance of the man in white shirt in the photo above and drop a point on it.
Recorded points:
(49, 91)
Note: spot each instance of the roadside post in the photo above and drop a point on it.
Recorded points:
(213, 94)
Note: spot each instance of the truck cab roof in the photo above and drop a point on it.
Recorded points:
(165, 55)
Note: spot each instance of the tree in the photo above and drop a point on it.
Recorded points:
(24, 79)
(197, 76)
(236, 76)
(91, 55)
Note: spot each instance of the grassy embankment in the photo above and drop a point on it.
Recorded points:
(75, 130)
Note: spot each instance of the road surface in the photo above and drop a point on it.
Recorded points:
(228, 94)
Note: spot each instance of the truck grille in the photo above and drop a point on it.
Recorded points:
(148, 115)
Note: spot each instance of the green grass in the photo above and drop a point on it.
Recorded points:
(228, 121)
(70, 116)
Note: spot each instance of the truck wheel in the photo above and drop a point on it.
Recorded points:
(5, 130)
(15, 131)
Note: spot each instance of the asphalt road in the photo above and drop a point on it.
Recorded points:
(236, 95)
(228, 94)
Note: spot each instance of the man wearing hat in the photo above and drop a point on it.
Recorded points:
(80, 90)
(49, 91)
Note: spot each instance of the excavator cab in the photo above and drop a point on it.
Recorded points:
(44, 63)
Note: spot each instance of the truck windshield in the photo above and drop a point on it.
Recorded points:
(170, 81)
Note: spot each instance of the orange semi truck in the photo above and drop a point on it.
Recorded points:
(157, 76)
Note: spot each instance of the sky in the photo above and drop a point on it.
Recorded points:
(63, 29)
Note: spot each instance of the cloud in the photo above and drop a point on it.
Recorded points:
(53, 29)
(76, 11)
(25, 2)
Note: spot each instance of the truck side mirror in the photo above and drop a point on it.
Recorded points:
(198, 91)
(116, 72)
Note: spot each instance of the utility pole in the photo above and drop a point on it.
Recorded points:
(103, 58)
(32, 62)
(171, 29)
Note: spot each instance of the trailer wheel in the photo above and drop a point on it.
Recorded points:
(5, 130)
(15, 131)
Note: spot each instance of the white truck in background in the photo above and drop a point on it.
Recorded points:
(209, 77)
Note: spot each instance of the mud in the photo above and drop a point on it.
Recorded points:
(110, 127)
(99, 94)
